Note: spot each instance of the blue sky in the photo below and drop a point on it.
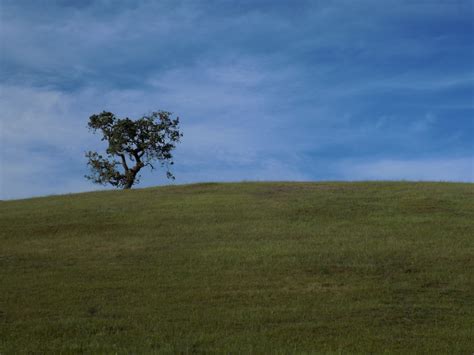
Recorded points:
(266, 90)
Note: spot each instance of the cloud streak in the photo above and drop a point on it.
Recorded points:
(265, 91)
(456, 169)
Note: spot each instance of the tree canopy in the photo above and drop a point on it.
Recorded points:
(132, 145)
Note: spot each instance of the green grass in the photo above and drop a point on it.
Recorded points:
(246, 267)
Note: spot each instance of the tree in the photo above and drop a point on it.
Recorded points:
(132, 145)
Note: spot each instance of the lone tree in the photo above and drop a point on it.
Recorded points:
(132, 145)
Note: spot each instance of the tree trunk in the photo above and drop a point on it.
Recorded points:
(131, 175)
(130, 181)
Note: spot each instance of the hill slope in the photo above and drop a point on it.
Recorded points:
(355, 267)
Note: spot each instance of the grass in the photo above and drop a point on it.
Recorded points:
(244, 267)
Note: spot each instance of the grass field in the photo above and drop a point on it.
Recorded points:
(244, 267)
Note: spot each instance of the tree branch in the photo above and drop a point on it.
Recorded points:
(124, 162)
(132, 145)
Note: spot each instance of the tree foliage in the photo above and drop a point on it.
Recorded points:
(132, 145)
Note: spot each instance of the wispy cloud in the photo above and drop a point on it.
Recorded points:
(455, 169)
(266, 90)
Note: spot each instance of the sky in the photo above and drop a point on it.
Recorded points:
(265, 90)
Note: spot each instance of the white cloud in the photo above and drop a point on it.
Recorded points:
(265, 170)
(258, 89)
(435, 169)
(38, 115)
(47, 135)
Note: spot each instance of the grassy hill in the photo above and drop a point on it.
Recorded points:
(327, 267)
